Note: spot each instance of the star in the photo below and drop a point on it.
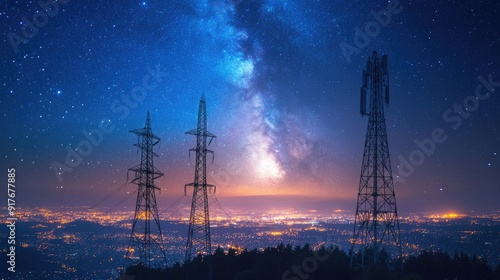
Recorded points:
(280, 94)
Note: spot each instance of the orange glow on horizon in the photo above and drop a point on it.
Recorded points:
(450, 216)
(276, 189)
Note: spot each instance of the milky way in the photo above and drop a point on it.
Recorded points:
(282, 97)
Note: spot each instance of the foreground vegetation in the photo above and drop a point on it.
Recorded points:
(304, 263)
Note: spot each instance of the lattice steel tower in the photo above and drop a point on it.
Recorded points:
(146, 245)
(198, 241)
(376, 223)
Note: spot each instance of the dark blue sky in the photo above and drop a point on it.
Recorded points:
(281, 96)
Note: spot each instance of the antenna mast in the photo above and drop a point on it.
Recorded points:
(376, 223)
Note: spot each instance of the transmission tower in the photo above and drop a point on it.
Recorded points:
(376, 223)
(146, 246)
(198, 241)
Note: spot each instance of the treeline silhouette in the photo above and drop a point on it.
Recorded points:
(286, 262)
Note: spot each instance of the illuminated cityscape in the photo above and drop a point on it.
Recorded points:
(82, 243)
(279, 83)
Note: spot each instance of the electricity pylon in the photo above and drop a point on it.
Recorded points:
(146, 247)
(198, 240)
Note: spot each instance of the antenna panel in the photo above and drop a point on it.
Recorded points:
(385, 66)
(363, 101)
(387, 93)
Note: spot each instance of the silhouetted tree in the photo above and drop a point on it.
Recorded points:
(325, 263)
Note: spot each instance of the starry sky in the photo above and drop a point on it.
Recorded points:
(281, 80)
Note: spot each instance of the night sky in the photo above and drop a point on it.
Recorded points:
(282, 97)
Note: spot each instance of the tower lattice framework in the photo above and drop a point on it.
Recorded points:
(376, 223)
(198, 240)
(146, 245)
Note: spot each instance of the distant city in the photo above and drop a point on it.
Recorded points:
(66, 243)
(124, 123)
